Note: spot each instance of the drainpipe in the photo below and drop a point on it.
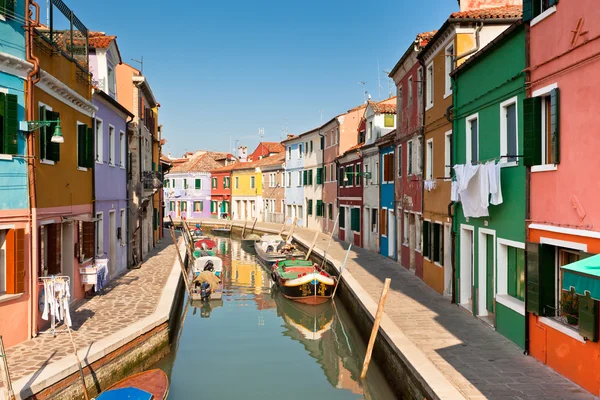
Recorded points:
(452, 204)
(322, 140)
(527, 197)
(32, 78)
(477, 44)
(422, 135)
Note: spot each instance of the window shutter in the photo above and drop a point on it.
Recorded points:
(15, 261)
(322, 142)
(588, 317)
(330, 211)
(197, 184)
(540, 279)
(155, 219)
(7, 8)
(436, 242)
(341, 177)
(319, 176)
(512, 271)
(53, 241)
(528, 10)
(10, 138)
(89, 149)
(532, 131)
(89, 239)
(552, 2)
(82, 146)
(426, 239)
(342, 217)
(42, 130)
(309, 207)
(555, 125)
(52, 149)
(355, 214)
(304, 177)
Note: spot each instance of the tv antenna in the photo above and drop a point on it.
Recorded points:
(389, 83)
(378, 82)
(141, 64)
(261, 133)
(365, 91)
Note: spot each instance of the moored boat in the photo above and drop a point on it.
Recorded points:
(207, 283)
(272, 248)
(303, 281)
(148, 385)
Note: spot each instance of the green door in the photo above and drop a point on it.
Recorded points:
(489, 283)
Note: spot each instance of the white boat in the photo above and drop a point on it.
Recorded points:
(213, 265)
(272, 248)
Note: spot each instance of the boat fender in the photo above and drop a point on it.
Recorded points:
(269, 248)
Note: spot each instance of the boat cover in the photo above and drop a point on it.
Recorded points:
(583, 276)
(129, 393)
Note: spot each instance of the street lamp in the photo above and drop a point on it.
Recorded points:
(366, 175)
(30, 126)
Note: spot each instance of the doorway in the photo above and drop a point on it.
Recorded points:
(112, 243)
(413, 236)
(466, 268)
(391, 237)
(448, 278)
(487, 275)
(68, 254)
(349, 235)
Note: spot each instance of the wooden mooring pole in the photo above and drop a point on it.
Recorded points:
(253, 225)
(384, 292)
(312, 246)
(282, 227)
(244, 229)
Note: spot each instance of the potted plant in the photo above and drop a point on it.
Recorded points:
(569, 306)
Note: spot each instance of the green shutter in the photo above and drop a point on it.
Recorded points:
(310, 176)
(555, 125)
(532, 135)
(7, 8)
(89, 149)
(533, 279)
(552, 2)
(43, 129)
(10, 137)
(309, 207)
(81, 145)
(355, 219)
(342, 217)
(540, 279)
(171, 206)
(426, 238)
(528, 10)
(52, 149)
(197, 184)
(511, 255)
(304, 177)
(341, 177)
(155, 219)
(319, 176)
(436, 242)
(588, 317)
(319, 208)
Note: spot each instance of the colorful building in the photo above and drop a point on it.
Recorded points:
(246, 191)
(312, 177)
(294, 182)
(266, 149)
(63, 181)
(408, 76)
(489, 90)
(15, 235)
(188, 186)
(387, 209)
(110, 169)
(350, 195)
(561, 149)
(463, 34)
(273, 192)
(220, 192)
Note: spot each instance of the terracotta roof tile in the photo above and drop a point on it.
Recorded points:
(490, 13)
(382, 108)
(274, 147)
(424, 37)
(100, 40)
(204, 162)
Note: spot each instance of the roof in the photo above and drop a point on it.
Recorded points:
(99, 40)
(275, 159)
(112, 102)
(386, 139)
(421, 40)
(273, 147)
(381, 108)
(351, 149)
(505, 12)
(203, 162)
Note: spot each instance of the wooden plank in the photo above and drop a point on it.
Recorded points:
(384, 293)
(312, 245)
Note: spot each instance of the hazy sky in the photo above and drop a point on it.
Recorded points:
(223, 69)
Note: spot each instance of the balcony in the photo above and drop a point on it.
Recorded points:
(152, 180)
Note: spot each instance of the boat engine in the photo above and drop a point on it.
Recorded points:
(205, 291)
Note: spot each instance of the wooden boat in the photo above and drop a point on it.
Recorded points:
(224, 230)
(310, 322)
(272, 248)
(303, 281)
(205, 243)
(203, 253)
(148, 385)
(207, 265)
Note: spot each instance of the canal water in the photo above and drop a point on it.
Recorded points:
(255, 344)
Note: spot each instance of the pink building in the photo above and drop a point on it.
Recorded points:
(561, 147)
(340, 133)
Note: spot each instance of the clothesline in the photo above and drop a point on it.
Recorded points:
(56, 300)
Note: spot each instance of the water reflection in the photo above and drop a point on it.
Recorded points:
(256, 344)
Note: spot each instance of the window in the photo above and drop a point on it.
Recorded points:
(388, 120)
(366, 172)
(7, 9)
(320, 208)
(409, 158)
(370, 130)
(438, 243)
(341, 177)
(449, 59)
(429, 86)
(227, 182)
(171, 206)
(12, 261)
(472, 155)
(355, 219)
(410, 92)
(533, 8)
(542, 130)
(183, 205)
(427, 239)
(185, 186)
(282, 179)
(237, 182)
(214, 183)
(375, 173)
(399, 104)
(85, 148)
(309, 174)
(99, 141)
(374, 220)
(252, 182)
(322, 142)
(48, 150)
(358, 177)
(300, 150)
(311, 146)
(361, 136)
(9, 123)
(198, 206)
(300, 178)
(419, 87)
(111, 145)
(383, 221)
(123, 228)
(99, 235)
(342, 217)
(330, 206)
(429, 165)
(300, 212)
(399, 150)
(111, 80)
(289, 153)
(319, 176)
(515, 262)
(349, 176)
(406, 229)
(448, 154)
(388, 167)
(289, 179)
(122, 149)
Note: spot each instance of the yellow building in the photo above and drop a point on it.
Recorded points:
(246, 190)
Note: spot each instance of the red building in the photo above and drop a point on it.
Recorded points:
(220, 192)
(265, 149)
(408, 76)
(350, 195)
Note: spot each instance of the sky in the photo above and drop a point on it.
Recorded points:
(223, 69)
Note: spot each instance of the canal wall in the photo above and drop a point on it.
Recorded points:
(120, 354)
(408, 370)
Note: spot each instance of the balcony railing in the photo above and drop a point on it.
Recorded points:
(152, 180)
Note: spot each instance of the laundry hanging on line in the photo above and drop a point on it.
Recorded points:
(473, 186)
(56, 300)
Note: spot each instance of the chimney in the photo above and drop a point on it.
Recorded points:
(468, 5)
(289, 136)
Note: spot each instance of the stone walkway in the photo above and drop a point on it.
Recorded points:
(127, 299)
(477, 360)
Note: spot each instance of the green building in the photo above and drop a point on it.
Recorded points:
(489, 89)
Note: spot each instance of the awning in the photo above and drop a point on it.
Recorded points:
(583, 276)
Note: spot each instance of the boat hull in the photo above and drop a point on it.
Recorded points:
(314, 290)
(153, 381)
(266, 257)
(221, 231)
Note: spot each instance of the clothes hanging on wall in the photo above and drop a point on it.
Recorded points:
(495, 184)
(101, 274)
(474, 191)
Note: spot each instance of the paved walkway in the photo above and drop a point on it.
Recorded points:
(478, 361)
(127, 299)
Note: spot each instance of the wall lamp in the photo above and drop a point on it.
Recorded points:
(366, 175)
(30, 126)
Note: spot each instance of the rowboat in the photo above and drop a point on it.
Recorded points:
(148, 385)
(303, 281)
(205, 244)
(272, 248)
(207, 283)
